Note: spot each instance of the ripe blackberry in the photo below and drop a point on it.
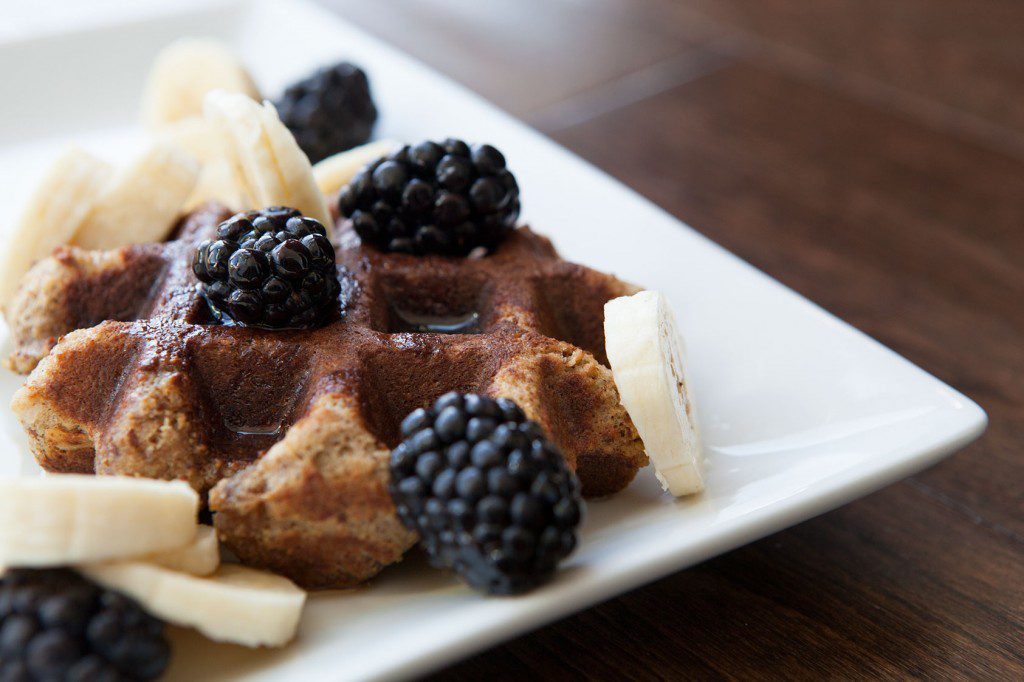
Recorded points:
(271, 268)
(329, 111)
(444, 198)
(56, 625)
(486, 490)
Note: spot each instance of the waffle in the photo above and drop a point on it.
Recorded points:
(288, 432)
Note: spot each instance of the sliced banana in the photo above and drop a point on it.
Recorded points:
(143, 200)
(294, 167)
(216, 183)
(334, 172)
(646, 355)
(235, 604)
(216, 180)
(193, 135)
(184, 72)
(67, 519)
(53, 214)
(268, 165)
(201, 557)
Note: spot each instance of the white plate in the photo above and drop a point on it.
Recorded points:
(801, 413)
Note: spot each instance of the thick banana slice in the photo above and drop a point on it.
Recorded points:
(184, 72)
(268, 165)
(646, 355)
(142, 202)
(334, 172)
(235, 604)
(68, 519)
(54, 213)
(202, 557)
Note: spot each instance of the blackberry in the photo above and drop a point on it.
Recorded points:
(487, 491)
(443, 198)
(272, 268)
(329, 111)
(56, 625)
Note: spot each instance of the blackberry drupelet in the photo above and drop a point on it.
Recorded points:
(486, 490)
(56, 625)
(442, 198)
(329, 111)
(272, 268)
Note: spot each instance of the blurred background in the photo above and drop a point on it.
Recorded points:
(868, 154)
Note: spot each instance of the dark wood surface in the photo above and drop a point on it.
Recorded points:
(869, 154)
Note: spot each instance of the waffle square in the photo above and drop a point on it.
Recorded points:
(289, 432)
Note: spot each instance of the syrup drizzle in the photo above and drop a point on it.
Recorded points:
(408, 321)
(254, 430)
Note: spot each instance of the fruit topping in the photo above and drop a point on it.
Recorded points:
(56, 625)
(52, 215)
(68, 518)
(487, 491)
(442, 198)
(337, 170)
(265, 166)
(182, 74)
(272, 268)
(199, 557)
(142, 201)
(235, 604)
(646, 355)
(329, 111)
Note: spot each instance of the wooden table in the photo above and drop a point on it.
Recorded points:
(870, 155)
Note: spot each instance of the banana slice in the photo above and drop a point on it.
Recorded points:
(235, 604)
(334, 172)
(183, 73)
(68, 519)
(268, 165)
(193, 135)
(646, 355)
(216, 181)
(142, 202)
(202, 557)
(54, 213)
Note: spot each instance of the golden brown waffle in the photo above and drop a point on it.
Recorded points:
(289, 431)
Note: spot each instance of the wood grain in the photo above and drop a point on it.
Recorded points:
(942, 55)
(523, 55)
(869, 155)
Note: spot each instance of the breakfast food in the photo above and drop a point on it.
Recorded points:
(99, 615)
(324, 405)
(204, 336)
(75, 288)
(329, 111)
(271, 268)
(336, 171)
(199, 557)
(268, 166)
(62, 520)
(57, 625)
(142, 201)
(646, 356)
(52, 214)
(235, 604)
(444, 198)
(486, 491)
(183, 73)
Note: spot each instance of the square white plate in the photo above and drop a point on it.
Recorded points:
(801, 413)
